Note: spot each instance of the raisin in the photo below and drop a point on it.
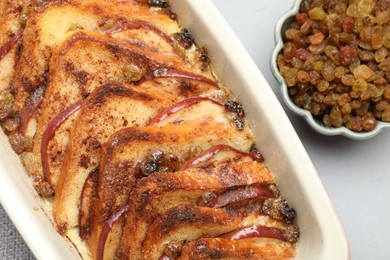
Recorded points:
(348, 24)
(235, 107)
(317, 38)
(158, 3)
(347, 55)
(303, 54)
(185, 39)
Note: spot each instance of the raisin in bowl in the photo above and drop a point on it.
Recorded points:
(332, 60)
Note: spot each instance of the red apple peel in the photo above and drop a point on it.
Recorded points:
(179, 106)
(139, 25)
(106, 231)
(8, 45)
(54, 124)
(208, 154)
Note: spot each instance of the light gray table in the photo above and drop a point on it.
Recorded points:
(355, 173)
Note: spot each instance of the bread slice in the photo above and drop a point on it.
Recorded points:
(253, 249)
(50, 22)
(191, 222)
(135, 152)
(158, 193)
(107, 110)
(85, 61)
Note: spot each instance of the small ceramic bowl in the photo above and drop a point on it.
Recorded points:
(316, 124)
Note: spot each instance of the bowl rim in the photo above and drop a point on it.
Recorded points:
(309, 118)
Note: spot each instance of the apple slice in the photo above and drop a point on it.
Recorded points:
(288, 233)
(254, 231)
(179, 106)
(174, 73)
(49, 133)
(144, 34)
(8, 46)
(235, 195)
(88, 194)
(127, 25)
(182, 88)
(201, 109)
(106, 231)
(210, 153)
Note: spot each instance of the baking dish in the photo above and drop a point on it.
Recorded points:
(322, 236)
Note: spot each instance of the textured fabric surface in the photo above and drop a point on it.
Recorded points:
(12, 246)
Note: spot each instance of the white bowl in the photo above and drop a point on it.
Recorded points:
(322, 236)
(280, 28)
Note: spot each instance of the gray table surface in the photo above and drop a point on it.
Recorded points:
(355, 173)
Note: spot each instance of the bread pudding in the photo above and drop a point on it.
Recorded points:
(126, 129)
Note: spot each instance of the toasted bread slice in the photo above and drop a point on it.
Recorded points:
(135, 152)
(219, 248)
(51, 21)
(158, 193)
(107, 110)
(188, 223)
(82, 63)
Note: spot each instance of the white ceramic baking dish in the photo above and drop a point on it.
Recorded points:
(322, 236)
